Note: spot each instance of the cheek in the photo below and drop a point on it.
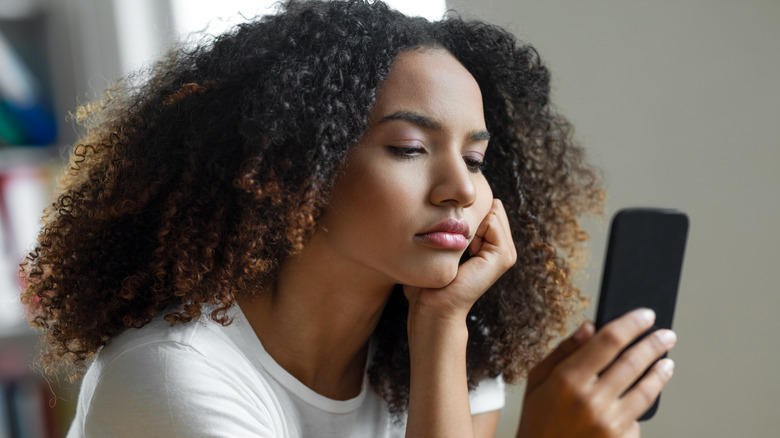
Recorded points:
(369, 198)
(381, 192)
(484, 199)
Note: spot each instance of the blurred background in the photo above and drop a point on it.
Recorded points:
(677, 102)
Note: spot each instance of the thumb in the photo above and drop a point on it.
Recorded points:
(543, 369)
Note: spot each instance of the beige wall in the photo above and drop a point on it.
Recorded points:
(679, 103)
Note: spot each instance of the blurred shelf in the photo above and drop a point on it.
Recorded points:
(20, 331)
(46, 161)
(12, 156)
(64, 50)
(20, 9)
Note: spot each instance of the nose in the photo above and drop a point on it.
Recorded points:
(453, 183)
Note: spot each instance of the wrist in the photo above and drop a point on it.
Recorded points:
(436, 312)
(427, 328)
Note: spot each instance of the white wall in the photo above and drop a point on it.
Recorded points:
(679, 103)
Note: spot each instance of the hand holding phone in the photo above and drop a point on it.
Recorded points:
(588, 384)
(642, 267)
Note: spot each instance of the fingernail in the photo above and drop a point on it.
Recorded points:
(582, 333)
(646, 315)
(666, 367)
(668, 337)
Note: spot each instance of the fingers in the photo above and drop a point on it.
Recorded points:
(620, 368)
(637, 400)
(609, 342)
(588, 378)
(492, 248)
(493, 253)
(543, 369)
(494, 234)
(636, 360)
(475, 244)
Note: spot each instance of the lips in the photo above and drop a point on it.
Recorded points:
(448, 234)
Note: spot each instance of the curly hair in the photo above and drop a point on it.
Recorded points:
(191, 187)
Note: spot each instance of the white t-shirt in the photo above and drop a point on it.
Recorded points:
(201, 379)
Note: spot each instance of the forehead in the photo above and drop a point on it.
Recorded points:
(430, 82)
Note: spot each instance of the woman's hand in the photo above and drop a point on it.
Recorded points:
(492, 253)
(438, 389)
(584, 387)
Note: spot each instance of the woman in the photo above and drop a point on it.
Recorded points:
(335, 221)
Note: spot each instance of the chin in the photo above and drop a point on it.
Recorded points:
(436, 277)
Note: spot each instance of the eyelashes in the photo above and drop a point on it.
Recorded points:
(410, 152)
(406, 152)
(474, 165)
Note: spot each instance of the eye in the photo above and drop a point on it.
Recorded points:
(474, 164)
(406, 152)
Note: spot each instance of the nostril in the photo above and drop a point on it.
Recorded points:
(454, 183)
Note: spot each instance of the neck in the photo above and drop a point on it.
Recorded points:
(316, 320)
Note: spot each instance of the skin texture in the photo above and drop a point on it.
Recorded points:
(367, 243)
(582, 388)
(196, 180)
(260, 169)
(402, 179)
(405, 175)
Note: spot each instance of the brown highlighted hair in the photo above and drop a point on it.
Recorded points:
(194, 185)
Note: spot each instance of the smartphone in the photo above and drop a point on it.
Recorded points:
(642, 267)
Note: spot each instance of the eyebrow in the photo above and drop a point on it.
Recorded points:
(428, 123)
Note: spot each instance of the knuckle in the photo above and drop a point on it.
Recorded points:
(576, 395)
(655, 346)
(613, 338)
(647, 394)
(588, 406)
(648, 389)
(604, 427)
(509, 261)
(567, 383)
(635, 363)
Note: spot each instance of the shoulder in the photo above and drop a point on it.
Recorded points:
(184, 380)
(201, 337)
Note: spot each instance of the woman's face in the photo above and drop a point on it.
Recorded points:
(411, 194)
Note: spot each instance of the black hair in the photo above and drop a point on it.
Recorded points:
(194, 185)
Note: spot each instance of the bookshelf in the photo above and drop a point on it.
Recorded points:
(64, 53)
(71, 50)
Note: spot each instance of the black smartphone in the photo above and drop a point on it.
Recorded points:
(642, 268)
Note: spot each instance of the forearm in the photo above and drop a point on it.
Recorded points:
(438, 397)
(438, 401)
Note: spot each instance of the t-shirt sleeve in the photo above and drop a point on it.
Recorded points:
(489, 395)
(171, 390)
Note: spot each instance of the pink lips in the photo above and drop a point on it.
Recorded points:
(448, 234)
